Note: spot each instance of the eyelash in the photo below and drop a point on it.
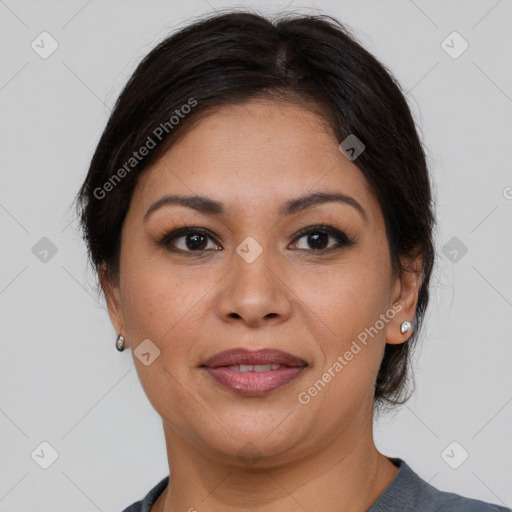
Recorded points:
(342, 239)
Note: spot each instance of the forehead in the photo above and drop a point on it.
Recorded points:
(256, 154)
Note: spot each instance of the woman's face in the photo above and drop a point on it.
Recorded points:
(250, 281)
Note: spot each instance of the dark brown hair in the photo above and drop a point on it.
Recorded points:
(235, 56)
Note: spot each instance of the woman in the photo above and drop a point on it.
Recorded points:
(259, 214)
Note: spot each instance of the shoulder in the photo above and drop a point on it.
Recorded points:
(147, 502)
(409, 492)
(443, 501)
(453, 503)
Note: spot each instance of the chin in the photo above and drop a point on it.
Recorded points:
(254, 440)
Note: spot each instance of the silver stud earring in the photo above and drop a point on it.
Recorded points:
(120, 343)
(404, 327)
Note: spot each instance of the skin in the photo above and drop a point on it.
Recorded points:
(317, 456)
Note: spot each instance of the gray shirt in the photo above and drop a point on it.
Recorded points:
(406, 493)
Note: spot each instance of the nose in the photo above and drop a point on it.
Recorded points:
(255, 293)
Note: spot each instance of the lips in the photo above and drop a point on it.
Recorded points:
(254, 373)
(241, 356)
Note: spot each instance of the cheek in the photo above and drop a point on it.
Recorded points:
(344, 298)
(343, 311)
(166, 304)
(152, 297)
(342, 316)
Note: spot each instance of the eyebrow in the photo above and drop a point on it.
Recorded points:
(209, 206)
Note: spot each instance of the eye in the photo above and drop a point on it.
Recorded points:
(318, 236)
(187, 240)
(190, 240)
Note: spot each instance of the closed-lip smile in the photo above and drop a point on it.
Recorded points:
(253, 372)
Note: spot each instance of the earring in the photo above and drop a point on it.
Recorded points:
(120, 343)
(405, 327)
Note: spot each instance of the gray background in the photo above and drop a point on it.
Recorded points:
(61, 379)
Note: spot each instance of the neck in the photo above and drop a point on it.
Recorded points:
(345, 476)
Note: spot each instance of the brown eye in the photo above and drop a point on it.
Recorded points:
(195, 241)
(187, 240)
(317, 238)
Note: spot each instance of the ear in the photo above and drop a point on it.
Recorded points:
(112, 294)
(405, 298)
